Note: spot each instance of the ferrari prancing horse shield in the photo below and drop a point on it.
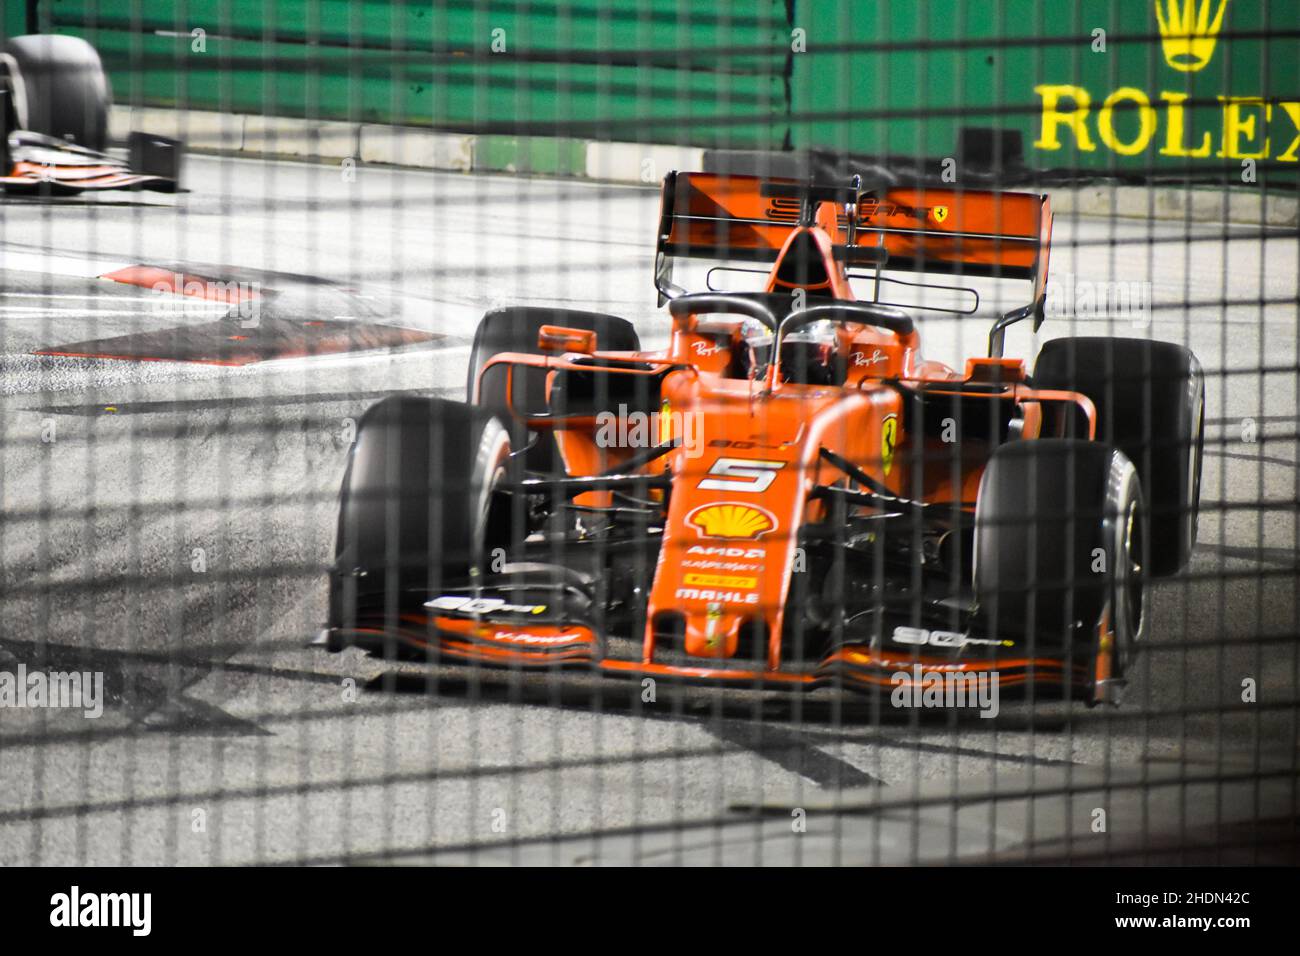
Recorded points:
(888, 440)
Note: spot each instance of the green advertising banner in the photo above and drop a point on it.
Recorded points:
(1133, 86)
(13, 18)
(1094, 84)
(495, 66)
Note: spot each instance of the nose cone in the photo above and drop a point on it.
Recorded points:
(712, 632)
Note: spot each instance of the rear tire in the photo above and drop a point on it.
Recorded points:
(1058, 543)
(515, 330)
(61, 89)
(419, 505)
(1150, 399)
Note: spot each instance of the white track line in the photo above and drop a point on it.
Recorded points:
(160, 313)
(92, 296)
(340, 359)
(56, 265)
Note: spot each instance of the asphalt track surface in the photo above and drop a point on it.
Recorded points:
(225, 739)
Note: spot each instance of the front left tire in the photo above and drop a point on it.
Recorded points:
(1059, 527)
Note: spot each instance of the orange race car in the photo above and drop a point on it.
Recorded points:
(789, 494)
(54, 103)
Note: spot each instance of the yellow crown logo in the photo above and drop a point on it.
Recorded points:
(731, 521)
(1187, 35)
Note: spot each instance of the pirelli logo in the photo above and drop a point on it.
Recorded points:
(720, 581)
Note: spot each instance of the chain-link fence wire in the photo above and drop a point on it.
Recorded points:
(546, 648)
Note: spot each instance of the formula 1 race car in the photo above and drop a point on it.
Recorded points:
(54, 103)
(789, 494)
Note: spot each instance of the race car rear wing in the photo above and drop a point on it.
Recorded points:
(967, 232)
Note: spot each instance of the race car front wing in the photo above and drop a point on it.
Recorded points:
(34, 163)
(502, 629)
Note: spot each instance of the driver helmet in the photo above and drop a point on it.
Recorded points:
(810, 355)
(758, 346)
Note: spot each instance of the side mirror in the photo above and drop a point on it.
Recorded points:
(558, 338)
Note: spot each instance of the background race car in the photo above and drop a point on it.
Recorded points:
(54, 107)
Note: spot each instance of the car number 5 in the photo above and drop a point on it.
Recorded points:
(741, 474)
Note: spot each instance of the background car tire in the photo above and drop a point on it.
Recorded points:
(417, 507)
(1058, 528)
(515, 330)
(1150, 399)
(62, 90)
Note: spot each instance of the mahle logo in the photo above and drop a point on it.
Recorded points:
(1187, 33)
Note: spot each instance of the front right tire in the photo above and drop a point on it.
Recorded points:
(420, 505)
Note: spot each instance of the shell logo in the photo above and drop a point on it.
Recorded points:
(731, 520)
